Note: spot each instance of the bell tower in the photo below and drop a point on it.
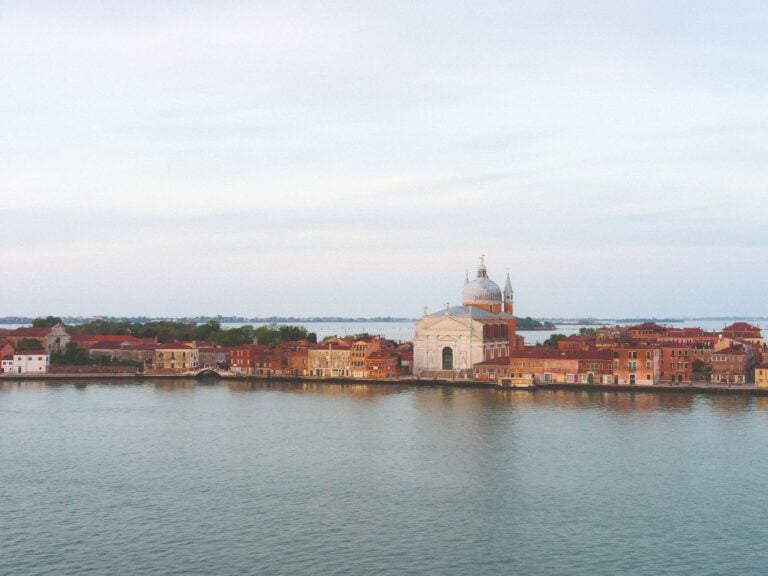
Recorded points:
(509, 296)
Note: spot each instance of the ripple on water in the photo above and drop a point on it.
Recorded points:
(328, 480)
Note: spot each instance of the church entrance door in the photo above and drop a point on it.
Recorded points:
(447, 358)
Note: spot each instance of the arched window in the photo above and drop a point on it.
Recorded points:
(447, 358)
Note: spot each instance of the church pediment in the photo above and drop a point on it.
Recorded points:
(445, 324)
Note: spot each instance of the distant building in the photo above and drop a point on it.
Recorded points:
(53, 339)
(745, 331)
(448, 343)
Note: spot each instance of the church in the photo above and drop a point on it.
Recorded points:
(448, 343)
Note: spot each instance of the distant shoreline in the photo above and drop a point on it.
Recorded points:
(13, 320)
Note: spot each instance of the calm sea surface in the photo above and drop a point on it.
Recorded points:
(187, 478)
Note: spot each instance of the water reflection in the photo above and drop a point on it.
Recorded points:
(441, 396)
(353, 390)
(729, 402)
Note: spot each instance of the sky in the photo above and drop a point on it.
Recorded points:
(356, 158)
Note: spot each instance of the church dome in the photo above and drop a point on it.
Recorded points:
(481, 289)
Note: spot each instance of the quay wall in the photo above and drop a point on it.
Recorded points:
(403, 381)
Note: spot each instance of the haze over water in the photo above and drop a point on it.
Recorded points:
(184, 478)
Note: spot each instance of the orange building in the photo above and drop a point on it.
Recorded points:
(747, 332)
(549, 365)
(676, 363)
(636, 364)
(245, 359)
(359, 353)
(381, 365)
(646, 332)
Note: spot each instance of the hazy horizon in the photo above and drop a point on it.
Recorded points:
(356, 158)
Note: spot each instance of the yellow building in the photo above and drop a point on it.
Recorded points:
(175, 357)
(761, 376)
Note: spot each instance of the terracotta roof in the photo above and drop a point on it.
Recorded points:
(730, 351)
(742, 327)
(172, 346)
(30, 332)
(554, 353)
(648, 326)
(122, 346)
(107, 338)
(500, 361)
(381, 356)
(330, 346)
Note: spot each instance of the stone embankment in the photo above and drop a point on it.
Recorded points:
(698, 388)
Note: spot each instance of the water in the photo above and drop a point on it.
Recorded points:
(181, 478)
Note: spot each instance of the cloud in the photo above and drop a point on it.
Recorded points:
(366, 152)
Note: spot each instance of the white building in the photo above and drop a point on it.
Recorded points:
(6, 364)
(448, 343)
(30, 362)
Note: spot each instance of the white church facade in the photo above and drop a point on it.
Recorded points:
(448, 343)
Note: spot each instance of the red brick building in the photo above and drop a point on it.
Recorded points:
(676, 363)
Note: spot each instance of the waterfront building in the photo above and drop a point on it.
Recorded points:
(175, 357)
(730, 365)
(245, 358)
(6, 364)
(30, 362)
(636, 364)
(553, 366)
(381, 364)
(296, 354)
(359, 353)
(448, 343)
(676, 363)
(329, 359)
(498, 371)
(405, 354)
(761, 375)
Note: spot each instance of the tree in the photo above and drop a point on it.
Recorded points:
(47, 322)
(701, 369)
(587, 331)
(72, 355)
(28, 344)
(552, 341)
(207, 330)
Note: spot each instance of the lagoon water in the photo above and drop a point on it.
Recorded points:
(188, 478)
